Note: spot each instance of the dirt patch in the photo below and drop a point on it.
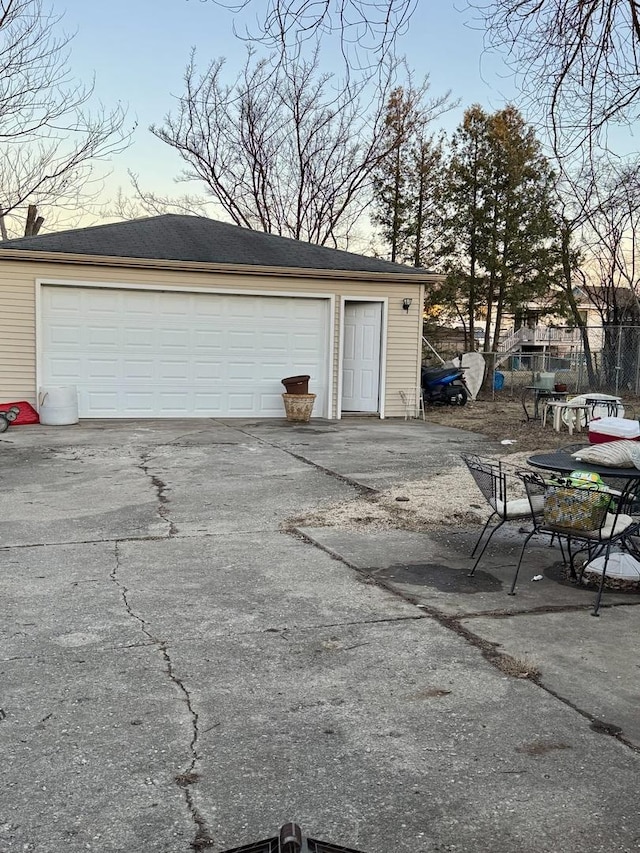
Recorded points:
(542, 747)
(443, 499)
(517, 667)
(450, 497)
(430, 693)
(503, 419)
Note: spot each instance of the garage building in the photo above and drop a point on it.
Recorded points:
(182, 316)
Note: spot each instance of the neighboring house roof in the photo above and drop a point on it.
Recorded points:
(196, 239)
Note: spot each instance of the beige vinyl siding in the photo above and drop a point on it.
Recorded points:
(17, 337)
(18, 313)
(404, 350)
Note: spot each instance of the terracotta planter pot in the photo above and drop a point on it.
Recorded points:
(298, 407)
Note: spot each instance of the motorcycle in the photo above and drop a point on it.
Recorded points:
(444, 385)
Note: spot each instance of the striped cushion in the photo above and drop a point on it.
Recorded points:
(612, 454)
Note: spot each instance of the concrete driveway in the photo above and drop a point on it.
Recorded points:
(179, 670)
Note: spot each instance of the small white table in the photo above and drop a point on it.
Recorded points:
(562, 407)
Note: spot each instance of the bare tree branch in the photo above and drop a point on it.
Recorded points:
(366, 29)
(579, 60)
(283, 148)
(50, 142)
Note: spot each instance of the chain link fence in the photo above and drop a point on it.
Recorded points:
(600, 359)
(605, 360)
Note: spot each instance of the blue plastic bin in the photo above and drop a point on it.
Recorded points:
(498, 381)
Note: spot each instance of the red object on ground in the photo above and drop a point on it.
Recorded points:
(28, 414)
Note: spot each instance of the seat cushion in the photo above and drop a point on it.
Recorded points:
(519, 507)
(615, 526)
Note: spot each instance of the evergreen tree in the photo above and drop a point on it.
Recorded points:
(467, 213)
(392, 200)
(426, 223)
(500, 219)
(406, 182)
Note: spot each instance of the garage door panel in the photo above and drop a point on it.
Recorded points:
(204, 403)
(208, 371)
(243, 403)
(173, 338)
(173, 402)
(306, 342)
(103, 401)
(138, 369)
(207, 339)
(103, 368)
(138, 338)
(275, 342)
(63, 300)
(64, 371)
(241, 342)
(63, 334)
(153, 354)
(98, 337)
(173, 370)
(275, 372)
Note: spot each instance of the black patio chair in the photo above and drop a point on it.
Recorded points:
(588, 517)
(502, 488)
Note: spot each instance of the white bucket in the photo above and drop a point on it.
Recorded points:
(58, 405)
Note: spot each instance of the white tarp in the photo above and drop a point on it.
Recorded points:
(474, 367)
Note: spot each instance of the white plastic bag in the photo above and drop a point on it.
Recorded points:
(620, 565)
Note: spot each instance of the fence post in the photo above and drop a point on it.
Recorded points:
(618, 361)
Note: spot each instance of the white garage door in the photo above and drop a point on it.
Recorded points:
(136, 353)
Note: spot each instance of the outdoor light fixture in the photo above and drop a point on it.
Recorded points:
(406, 304)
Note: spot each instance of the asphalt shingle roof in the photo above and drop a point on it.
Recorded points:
(175, 237)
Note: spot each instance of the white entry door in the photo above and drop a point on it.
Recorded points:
(361, 357)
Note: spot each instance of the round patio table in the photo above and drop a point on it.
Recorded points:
(563, 462)
(623, 482)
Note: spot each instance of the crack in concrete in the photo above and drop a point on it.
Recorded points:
(189, 776)
(488, 649)
(161, 491)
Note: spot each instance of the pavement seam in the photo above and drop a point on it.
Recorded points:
(286, 629)
(543, 611)
(492, 651)
(146, 538)
(489, 651)
(189, 776)
(343, 478)
(85, 542)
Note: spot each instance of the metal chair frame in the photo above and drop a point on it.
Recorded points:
(493, 478)
(608, 514)
(413, 404)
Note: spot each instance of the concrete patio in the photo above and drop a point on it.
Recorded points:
(182, 670)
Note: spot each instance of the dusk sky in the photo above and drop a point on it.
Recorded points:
(138, 50)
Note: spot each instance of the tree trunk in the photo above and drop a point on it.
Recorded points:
(567, 271)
